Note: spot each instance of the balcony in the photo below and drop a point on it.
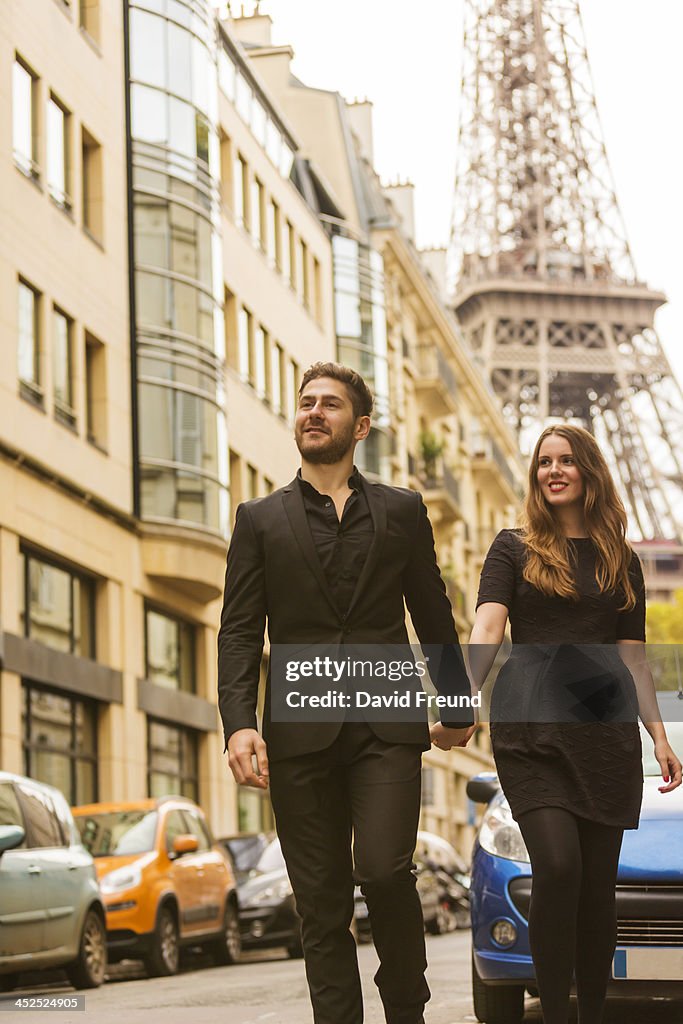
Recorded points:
(488, 458)
(441, 492)
(436, 381)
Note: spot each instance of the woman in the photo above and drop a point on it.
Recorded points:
(564, 707)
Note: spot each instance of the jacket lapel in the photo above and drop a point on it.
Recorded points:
(378, 511)
(293, 502)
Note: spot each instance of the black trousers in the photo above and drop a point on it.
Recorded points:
(349, 814)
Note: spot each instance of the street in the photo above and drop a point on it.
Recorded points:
(269, 988)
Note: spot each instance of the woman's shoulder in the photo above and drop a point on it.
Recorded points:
(511, 537)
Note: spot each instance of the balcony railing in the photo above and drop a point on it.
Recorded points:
(433, 365)
(486, 448)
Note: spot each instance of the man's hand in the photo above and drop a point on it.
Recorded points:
(445, 738)
(243, 746)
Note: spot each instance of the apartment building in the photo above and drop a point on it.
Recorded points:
(158, 308)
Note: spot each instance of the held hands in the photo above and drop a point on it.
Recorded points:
(670, 765)
(445, 738)
(243, 746)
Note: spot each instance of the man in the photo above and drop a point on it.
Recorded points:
(328, 560)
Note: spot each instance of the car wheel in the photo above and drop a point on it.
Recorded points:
(227, 948)
(496, 1004)
(88, 969)
(164, 956)
(8, 982)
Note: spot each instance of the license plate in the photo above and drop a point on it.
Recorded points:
(648, 963)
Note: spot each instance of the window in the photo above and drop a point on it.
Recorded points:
(301, 277)
(172, 762)
(62, 367)
(57, 606)
(427, 787)
(95, 391)
(58, 156)
(169, 651)
(317, 292)
(241, 191)
(287, 243)
(89, 18)
(243, 97)
(227, 165)
(292, 389)
(28, 356)
(24, 119)
(244, 343)
(252, 481)
(10, 811)
(268, 485)
(93, 200)
(260, 356)
(196, 826)
(44, 829)
(60, 742)
(256, 212)
(273, 232)
(277, 373)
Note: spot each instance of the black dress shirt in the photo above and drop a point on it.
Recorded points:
(342, 545)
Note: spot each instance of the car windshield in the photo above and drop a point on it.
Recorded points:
(117, 833)
(246, 851)
(674, 732)
(271, 859)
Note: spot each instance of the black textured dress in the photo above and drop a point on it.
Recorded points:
(564, 708)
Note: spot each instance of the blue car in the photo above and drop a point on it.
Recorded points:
(649, 956)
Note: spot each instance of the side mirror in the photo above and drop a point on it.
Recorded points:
(483, 787)
(185, 843)
(11, 836)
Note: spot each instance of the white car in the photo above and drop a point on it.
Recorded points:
(51, 914)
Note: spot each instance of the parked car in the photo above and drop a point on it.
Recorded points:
(268, 916)
(51, 912)
(442, 885)
(649, 956)
(165, 882)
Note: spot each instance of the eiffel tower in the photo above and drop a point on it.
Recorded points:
(546, 288)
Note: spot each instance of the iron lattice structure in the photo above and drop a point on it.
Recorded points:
(545, 283)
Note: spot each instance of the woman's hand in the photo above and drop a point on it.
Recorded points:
(670, 765)
(445, 738)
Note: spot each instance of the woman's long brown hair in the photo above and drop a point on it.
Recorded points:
(548, 566)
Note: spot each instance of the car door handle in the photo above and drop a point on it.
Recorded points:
(34, 869)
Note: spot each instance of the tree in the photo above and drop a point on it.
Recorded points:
(665, 642)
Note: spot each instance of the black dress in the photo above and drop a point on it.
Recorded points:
(564, 708)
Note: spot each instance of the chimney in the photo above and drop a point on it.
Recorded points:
(253, 28)
(360, 116)
(402, 195)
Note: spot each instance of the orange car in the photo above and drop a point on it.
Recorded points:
(164, 881)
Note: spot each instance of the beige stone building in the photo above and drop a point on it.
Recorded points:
(184, 229)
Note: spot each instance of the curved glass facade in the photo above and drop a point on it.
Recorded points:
(182, 437)
(361, 329)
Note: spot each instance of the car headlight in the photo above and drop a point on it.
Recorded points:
(500, 834)
(121, 879)
(273, 893)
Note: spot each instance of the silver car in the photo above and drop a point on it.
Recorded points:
(51, 914)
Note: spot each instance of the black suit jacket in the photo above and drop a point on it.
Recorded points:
(274, 573)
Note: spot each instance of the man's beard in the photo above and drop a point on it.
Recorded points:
(333, 451)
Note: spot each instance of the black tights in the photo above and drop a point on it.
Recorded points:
(572, 918)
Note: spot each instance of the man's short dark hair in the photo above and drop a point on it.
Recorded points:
(359, 392)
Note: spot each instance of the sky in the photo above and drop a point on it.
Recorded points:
(405, 57)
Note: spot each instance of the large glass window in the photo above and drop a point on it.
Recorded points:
(62, 366)
(172, 762)
(169, 651)
(28, 356)
(57, 606)
(58, 156)
(24, 129)
(60, 742)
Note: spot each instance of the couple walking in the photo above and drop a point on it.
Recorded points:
(329, 559)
